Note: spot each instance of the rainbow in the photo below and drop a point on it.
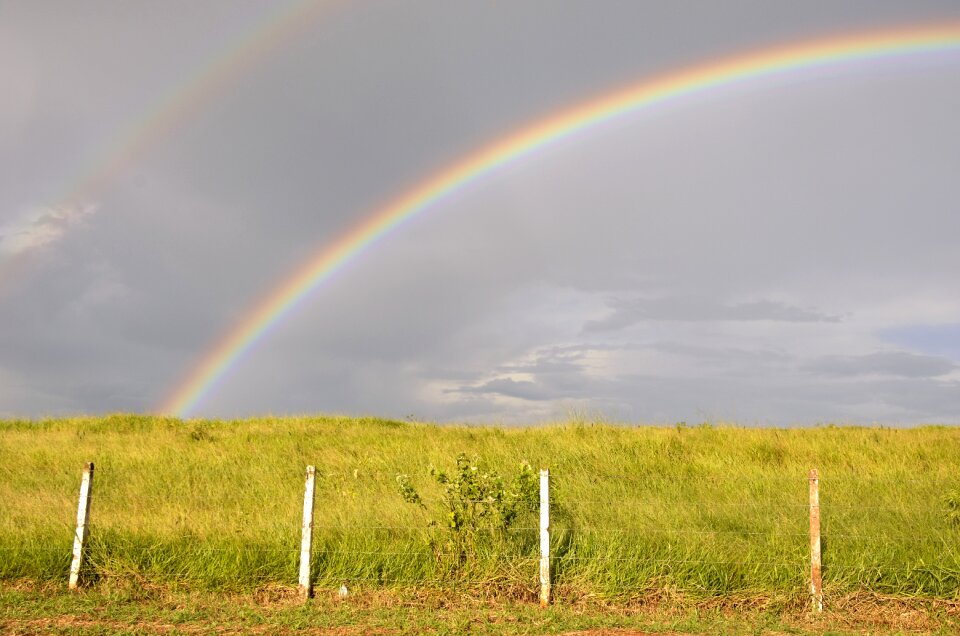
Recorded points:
(332, 258)
(210, 80)
(182, 100)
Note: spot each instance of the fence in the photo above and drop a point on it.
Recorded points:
(648, 549)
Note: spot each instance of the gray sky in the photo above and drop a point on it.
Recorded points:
(778, 252)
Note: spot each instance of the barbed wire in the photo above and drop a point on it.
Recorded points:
(952, 534)
(621, 503)
(320, 578)
(639, 560)
(747, 481)
(213, 511)
(177, 550)
(661, 530)
(954, 570)
(410, 528)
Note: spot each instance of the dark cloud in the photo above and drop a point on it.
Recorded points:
(653, 398)
(523, 389)
(890, 363)
(630, 312)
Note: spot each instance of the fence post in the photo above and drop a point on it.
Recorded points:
(83, 512)
(816, 575)
(544, 537)
(306, 540)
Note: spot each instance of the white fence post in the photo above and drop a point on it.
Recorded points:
(544, 537)
(83, 513)
(816, 574)
(306, 541)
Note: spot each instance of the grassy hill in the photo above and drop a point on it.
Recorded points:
(707, 510)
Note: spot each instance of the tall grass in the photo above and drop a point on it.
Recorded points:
(708, 509)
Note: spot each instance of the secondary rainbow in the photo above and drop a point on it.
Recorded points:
(209, 80)
(177, 104)
(331, 258)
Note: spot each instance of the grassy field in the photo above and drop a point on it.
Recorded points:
(703, 512)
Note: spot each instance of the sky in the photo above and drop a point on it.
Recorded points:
(778, 252)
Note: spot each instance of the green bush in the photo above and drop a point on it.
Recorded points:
(476, 506)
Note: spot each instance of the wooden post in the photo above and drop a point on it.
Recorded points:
(306, 540)
(83, 514)
(816, 575)
(544, 538)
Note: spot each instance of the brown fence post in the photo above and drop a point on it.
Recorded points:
(816, 574)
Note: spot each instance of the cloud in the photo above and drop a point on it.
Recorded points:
(668, 381)
(696, 309)
(41, 228)
(901, 364)
(553, 374)
(782, 399)
(565, 357)
(508, 387)
(714, 353)
(601, 371)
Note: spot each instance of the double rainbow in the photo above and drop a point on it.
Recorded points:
(292, 292)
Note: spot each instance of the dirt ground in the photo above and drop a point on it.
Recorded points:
(132, 608)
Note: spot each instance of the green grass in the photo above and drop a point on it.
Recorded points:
(707, 510)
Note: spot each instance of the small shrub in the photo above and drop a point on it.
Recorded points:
(477, 506)
(407, 491)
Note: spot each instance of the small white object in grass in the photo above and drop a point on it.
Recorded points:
(344, 591)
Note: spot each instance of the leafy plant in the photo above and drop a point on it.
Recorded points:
(476, 505)
(407, 491)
